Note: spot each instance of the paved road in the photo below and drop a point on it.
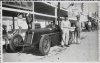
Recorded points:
(87, 50)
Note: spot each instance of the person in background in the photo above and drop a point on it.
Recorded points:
(77, 31)
(65, 26)
(89, 26)
(72, 34)
(51, 25)
(5, 35)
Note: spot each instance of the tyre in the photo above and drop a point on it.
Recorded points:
(44, 45)
(14, 43)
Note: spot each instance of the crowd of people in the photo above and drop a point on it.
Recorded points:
(90, 25)
(70, 36)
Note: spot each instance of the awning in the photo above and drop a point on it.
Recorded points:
(63, 13)
(19, 5)
(9, 13)
(13, 12)
(43, 8)
(44, 17)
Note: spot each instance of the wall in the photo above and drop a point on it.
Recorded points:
(90, 8)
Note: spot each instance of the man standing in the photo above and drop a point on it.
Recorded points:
(65, 26)
(77, 30)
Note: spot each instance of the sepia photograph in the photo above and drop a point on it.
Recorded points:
(50, 31)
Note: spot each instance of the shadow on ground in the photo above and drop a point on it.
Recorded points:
(27, 50)
(35, 51)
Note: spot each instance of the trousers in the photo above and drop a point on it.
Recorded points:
(77, 35)
(65, 37)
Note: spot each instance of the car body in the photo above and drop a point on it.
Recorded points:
(37, 37)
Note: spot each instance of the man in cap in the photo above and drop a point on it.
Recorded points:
(65, 26)
(77, 30)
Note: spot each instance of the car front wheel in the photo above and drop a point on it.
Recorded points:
(14, 43)
(44, 45)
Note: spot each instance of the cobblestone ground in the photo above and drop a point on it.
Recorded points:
(87, 50)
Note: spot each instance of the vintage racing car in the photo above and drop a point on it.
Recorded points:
(42, 38)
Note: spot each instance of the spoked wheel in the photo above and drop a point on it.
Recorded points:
(44, 45)
(15, 42)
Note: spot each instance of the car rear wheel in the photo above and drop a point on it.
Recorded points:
(14, 43)
(44, 45)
